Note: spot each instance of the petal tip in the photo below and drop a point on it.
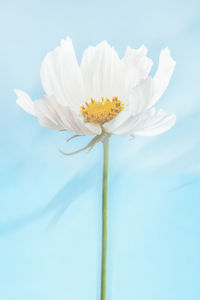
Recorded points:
(17, 92)
(167, 53)
(67, 41)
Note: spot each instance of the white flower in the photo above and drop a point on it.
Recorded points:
(103, 94)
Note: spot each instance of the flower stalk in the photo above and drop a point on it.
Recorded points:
(104, 217)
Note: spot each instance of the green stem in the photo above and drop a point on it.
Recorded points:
(104, 217)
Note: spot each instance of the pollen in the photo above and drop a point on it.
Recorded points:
(100, 112)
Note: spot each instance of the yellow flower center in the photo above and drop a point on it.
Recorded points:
(100, 112)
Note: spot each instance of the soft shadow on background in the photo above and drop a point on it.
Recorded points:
(50, 205)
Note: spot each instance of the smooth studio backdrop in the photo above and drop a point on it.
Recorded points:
(50, 205)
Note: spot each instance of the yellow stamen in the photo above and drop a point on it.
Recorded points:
(100, 112)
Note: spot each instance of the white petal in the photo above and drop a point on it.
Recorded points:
(141, 96)
(148, 123)
(136, 66)
(117, 122)
(148, 92)
(157, 124)
(127, 127)
(52, 115)
(25, 102)
(101, 72)
(162, 77)
(60, 75)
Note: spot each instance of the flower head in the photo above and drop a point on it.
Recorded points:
(105, 94)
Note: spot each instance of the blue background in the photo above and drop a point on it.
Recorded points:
(50, 205)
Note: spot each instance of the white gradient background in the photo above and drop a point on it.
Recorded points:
(50, 205)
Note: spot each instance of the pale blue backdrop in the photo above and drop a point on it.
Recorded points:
(50, 205)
